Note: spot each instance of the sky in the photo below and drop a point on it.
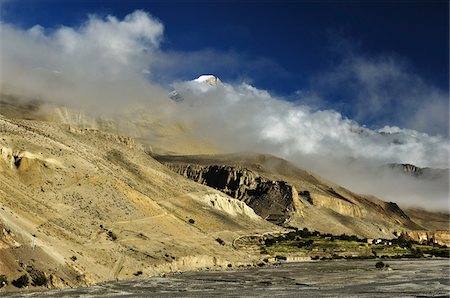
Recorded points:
(337, 87)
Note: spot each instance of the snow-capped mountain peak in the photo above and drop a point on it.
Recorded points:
(209, 79)
(203, 83)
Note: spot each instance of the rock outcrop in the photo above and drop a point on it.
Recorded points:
(439, 237)
(288, 196)
(272, 200)
(7, 238)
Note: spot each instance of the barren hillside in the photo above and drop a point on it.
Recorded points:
(287, 195)
(84, 206)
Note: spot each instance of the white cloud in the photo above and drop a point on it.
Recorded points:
(250, 118)
(99, 64)
(111, 40)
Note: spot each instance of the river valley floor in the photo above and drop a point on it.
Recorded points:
(342, 278)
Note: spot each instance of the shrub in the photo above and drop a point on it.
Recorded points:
(112, 235)
(3, 281)
(291, 235)
(306, 243)
(191, 221)
(304, 233)
(443, 253)
(379, 265)
(269, 242)
(73, 258)
(221, 242)
(415, 253)
(21, 282)
(39, 279)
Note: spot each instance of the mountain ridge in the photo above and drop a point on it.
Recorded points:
(313, 200)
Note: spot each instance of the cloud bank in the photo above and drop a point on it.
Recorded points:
(102, 64)
(255, 119)
(241, 118)
(107, 64)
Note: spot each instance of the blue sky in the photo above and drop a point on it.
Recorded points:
(311, 52)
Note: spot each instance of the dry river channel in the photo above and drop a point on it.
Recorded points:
(342, 278)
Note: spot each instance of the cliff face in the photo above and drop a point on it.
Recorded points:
(272, 200)
(286, 195)
(439, 237)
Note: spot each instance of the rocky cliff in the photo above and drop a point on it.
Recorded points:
(439, 237)
(286, 195)
(272, 200)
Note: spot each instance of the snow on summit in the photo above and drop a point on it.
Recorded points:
(209, 79)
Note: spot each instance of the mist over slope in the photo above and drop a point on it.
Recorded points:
(105, 66)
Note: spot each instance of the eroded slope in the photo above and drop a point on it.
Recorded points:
(85, 206)
(287, 195)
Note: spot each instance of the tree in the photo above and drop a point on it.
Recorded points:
(3, 281)
(38, 279)
(21, 282)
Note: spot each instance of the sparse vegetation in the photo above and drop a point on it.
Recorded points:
(21, 282)
(112, 236)
(137, 273)
(109, 233)
(39, 279)
(306, 243)
(3, 281)
(316, 245)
